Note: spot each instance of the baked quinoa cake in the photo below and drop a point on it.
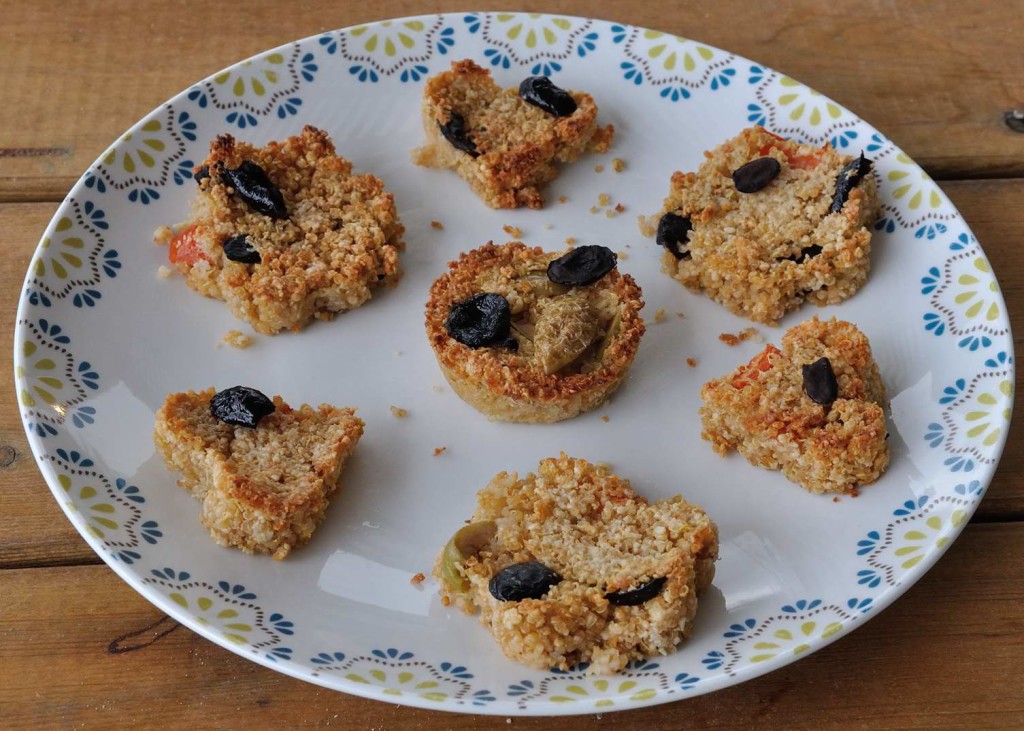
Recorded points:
(286, 233)
(812, 409)
(263, 471)
(570, 565)
(531, 336)
(506, 143)
(766, 224)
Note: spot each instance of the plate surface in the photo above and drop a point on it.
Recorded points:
(101, 340)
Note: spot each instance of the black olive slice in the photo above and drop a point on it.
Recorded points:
(240, 406)
(820, 382)
(527, 580)
(582, 266)
(540, 92)
(481, 321)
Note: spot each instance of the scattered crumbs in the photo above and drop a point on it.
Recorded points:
(237, 339)
(438, 451)
(692, 362)
(562, 199)
(548, 226)
(854, 493)
(835, 499)
(417, 579)
(618, 164)
(604, 200)
(619, 208)
(436, 389)
(571, 241)
(594, 209)
(609, 213)
(399, 412)
(398, 353)
(744, 335)
(622, 255)
(438, 225)
(513, 231)
(647, 228)
(604, 419)
(681, 315)
(163, 235)
(659, 315)
(164, 271)
(751, 334)
(445, 601)
(599, 168)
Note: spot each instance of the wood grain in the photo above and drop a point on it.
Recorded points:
(911, 667)
(81, 649)
(936, 76)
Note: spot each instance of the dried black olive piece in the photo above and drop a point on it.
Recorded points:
(756, 174)
(527, 580)
(846, 180)
(241, 406)
(238, 248)
(636, 596)
(455, 132)
(540, 92)
(252, 185)
(808, 252)
(820, 382)
(582, 266)
(201, 174)
(672, 231)
(480, 321)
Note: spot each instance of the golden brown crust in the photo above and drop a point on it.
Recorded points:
(339, 243)
(263, 490)
(519, 144)
(511, 386)
(747, 250)
(591, 528)
(762, 411)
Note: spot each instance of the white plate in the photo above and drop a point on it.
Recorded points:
(101, 340)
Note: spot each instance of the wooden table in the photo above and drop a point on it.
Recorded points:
(82, 649)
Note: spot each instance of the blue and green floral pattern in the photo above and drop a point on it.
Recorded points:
(53, 384)
(112, 513)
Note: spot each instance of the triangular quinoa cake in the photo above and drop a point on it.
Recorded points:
(263, 489)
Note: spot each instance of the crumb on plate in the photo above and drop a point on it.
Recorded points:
(237, 339)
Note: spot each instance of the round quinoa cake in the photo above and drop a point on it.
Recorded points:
(766, 224)
(505, 147)
(813, 409)
(570, 565)
(286, 233)
(564, 349)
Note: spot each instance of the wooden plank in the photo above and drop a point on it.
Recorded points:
(37, 534)
(936, 76)
(946, 655)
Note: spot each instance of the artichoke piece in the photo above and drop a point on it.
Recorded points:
(544, 287)
(566, 327)
(610, 334)
(467, 542)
